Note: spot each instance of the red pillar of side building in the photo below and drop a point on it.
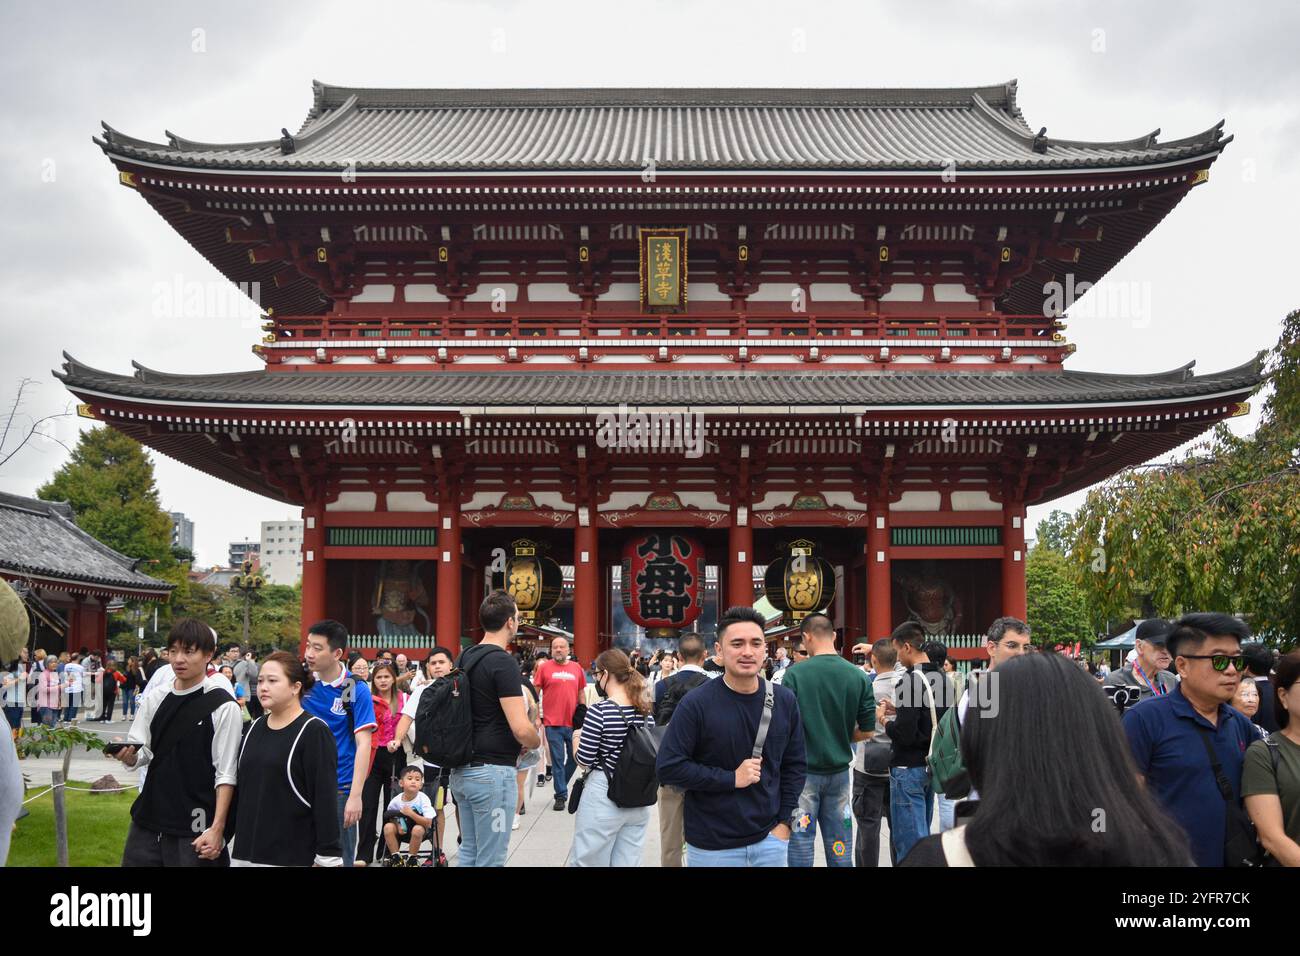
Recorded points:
(1014, 600)
(313, 566)
(448, 612)
(740, 565)
(880, 613)
(586, 593)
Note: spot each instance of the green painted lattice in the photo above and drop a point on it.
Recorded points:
(945, 537)
(382, 537)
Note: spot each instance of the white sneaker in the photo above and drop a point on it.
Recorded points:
(515, 825)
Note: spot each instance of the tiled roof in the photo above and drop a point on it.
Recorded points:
(39, 538)
(752, 387)
(681, 129)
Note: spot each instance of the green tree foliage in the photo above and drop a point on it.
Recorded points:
(110, 484)
(1217, 530)
(1054, 532)
(1058, 610)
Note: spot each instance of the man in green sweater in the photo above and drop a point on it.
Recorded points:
(837, 709)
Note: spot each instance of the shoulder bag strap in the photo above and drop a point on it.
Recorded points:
(1225, 788)
(765, 721)
(928, 693)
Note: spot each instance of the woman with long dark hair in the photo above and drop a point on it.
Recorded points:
(1056, 779)
(605, 834)
(285, 811)
(381, 782)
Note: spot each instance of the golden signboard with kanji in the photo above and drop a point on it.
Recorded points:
(663, 269)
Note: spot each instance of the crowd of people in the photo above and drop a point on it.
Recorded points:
(1189, 754)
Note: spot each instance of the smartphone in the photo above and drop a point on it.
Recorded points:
(113, 750)
(859, 659)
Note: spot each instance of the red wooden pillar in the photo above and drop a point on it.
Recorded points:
(740, 565)
(73, 636)
(880, 613)
(448, 615)
(586, 594)
(1014, 600)
(313, 566)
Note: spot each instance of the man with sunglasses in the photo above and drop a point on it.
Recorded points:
(1190, 744)
(1149, 672)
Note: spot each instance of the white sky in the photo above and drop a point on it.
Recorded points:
(82, 255)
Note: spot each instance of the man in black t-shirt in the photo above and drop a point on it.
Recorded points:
(485, 788)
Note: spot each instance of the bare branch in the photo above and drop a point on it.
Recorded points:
(34, 430)
(18, 400)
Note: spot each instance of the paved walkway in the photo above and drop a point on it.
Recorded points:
(543, 838)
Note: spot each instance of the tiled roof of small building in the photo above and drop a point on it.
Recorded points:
(40, 538)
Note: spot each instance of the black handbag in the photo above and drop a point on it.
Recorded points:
(575, 793)
(1240, 844)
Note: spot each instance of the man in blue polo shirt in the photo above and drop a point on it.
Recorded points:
(1168, 733)
(346, 707)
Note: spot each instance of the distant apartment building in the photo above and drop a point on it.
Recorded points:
(282, 551)
(240, 551)
(182, 531)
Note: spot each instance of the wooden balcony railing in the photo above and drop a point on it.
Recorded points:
(634, 325)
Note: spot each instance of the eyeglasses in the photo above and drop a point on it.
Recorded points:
(1219, 662)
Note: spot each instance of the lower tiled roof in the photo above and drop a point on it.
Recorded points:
(389, 387)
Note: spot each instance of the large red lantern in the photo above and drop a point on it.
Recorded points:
(663, 581)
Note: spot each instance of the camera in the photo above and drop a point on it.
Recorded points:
(1122, 696)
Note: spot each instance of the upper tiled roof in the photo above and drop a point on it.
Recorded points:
(39, 538)
(752, 387)
(552, 130)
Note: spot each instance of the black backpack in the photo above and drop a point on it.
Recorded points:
(635, 782)
(444, 719)
(675, 688)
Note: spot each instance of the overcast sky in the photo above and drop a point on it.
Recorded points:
(82, 255)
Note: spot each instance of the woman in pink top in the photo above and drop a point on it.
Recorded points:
(389, 701)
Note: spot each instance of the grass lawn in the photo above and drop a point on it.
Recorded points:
(97, 825)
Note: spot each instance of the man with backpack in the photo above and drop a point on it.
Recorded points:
(668, 694)
(345, 705)
(476, 722)
(919, 707)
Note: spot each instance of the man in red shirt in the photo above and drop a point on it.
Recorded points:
(561, 682)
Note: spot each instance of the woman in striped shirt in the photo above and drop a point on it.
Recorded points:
(605, 834)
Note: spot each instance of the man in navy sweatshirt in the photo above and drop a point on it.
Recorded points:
(738, 807)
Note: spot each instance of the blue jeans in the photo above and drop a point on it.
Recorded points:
(487, 796)
(911, 808)
(769, 851)
(947, 818)
(559, 740)
(349, 834)
(605, 834)
(74, 704)
(824, 801)
(128, 703)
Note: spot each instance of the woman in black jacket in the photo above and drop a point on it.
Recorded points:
(285, 805)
